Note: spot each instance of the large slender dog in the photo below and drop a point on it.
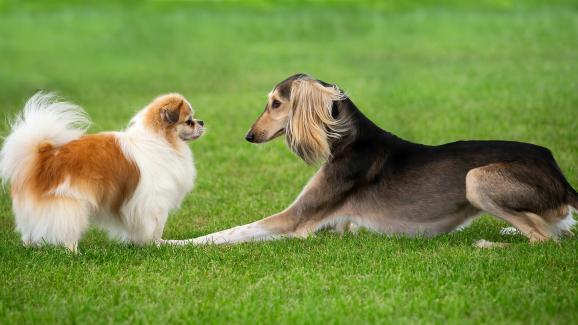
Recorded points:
(378, 181)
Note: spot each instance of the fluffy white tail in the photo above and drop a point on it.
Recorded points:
(44, 121)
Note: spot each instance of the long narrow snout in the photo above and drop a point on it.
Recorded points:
(250, 136)
(269, 125)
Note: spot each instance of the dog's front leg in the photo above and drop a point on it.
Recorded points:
(309, 211)
(274, 227)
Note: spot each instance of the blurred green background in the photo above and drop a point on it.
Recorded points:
(428, 71)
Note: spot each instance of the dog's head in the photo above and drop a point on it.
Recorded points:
(172, 116)
(304, 109)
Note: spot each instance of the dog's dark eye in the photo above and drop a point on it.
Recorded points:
(275, 104)
(190, 122)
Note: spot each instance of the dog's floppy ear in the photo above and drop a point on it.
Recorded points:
(311, 122)
(171, 115)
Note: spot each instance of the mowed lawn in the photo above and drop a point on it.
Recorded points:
(430, 75)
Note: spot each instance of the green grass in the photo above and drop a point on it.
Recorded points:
(443, 73)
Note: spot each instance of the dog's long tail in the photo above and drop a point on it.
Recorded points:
(44, 123)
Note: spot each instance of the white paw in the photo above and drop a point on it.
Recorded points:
(354, 228)
(482, 243)
(173, 242)
(508, 231)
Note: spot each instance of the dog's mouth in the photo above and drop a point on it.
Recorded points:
(259, 136)
(191, 136)
(275, 135)
(278, 133)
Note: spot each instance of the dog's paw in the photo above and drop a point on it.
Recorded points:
(173, 242)
(482, 243)
(508, 231)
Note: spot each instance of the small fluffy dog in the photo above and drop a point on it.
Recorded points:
(373, 179)
(125, 182)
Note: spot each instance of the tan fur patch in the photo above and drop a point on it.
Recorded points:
(164, 114)
(311, 124)
(93, 164)
(484, 183)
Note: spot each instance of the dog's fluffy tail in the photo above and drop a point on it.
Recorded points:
(44, 123)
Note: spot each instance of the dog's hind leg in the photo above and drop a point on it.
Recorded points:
(498, 189)
(146, 227)
(57, 221)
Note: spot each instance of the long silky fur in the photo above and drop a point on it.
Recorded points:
(311, 124)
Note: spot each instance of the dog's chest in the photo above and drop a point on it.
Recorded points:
(163, 170)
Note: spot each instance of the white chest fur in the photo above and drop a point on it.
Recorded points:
(167, 174)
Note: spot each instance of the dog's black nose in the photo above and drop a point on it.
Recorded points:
(201, 122)
(250, 137)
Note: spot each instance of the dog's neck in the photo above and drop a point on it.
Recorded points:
(361, 131)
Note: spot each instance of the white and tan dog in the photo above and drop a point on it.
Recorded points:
(126, 182)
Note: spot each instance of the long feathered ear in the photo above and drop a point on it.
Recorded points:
(311, 123)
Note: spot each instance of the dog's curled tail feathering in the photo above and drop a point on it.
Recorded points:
(44, 123)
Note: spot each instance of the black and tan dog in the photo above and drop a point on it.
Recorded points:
(378, 181)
